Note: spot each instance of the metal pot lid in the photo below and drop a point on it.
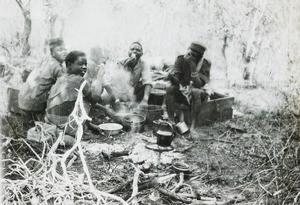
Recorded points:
(180, 166)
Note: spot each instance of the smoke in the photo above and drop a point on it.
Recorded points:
(119, 81)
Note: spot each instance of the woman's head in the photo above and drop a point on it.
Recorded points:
(76, 63)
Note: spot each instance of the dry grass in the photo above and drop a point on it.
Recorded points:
(261, 166)
(267, 157)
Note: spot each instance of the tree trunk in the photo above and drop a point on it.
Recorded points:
(225, 45)
(27, 27)
(249, 52)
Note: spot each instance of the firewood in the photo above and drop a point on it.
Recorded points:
(173, 195)
(121, 186)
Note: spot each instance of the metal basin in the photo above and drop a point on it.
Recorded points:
(135, 122)
(111, 129)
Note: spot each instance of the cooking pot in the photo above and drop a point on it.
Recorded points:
(164, 133)
(156, 96)
(134, 122)
(152, 112)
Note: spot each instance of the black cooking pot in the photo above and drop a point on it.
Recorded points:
(164, 133)
(152, 112)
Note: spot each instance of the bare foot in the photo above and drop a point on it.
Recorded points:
(193, 134)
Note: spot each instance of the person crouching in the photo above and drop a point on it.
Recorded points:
(64, 92)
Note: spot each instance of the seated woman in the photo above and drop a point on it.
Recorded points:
(64, 92)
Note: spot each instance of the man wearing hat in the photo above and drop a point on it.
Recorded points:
(190, 73)
(34, 93)
(140, 77)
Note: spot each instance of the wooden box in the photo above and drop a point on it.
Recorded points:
(218, 107)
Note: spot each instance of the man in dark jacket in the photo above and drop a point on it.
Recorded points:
(190, 73)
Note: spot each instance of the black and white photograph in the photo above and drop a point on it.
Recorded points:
(150, 102)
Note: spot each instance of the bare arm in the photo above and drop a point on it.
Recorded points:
(147, 93)
(110, 92)
(96, 87)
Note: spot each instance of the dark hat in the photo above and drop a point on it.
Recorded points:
(198, 47)
(55, 42)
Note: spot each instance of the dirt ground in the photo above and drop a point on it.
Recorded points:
(246, 160)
